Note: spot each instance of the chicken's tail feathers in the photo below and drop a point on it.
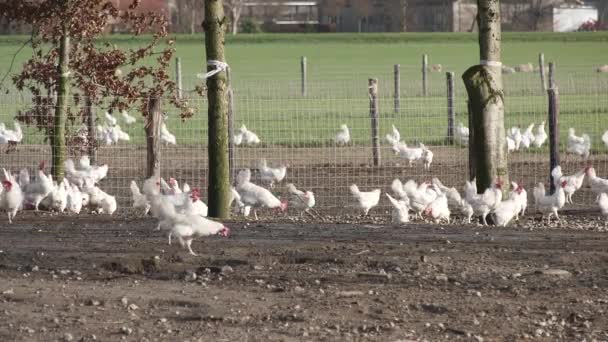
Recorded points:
(587, 140)
(394, 202)
(292, 189)
(556, 173)
(538, 192)
(134, 189)
(24, 177)
(243, 177)
(397, 188)
(354, 189)
(391, 139)
(69, 165)
(438, 184)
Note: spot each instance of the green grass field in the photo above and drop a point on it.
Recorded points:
(266, 69)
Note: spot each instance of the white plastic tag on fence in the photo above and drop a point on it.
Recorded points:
(219, 67)
(490, 63)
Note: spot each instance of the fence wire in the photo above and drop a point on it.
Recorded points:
(300, 132)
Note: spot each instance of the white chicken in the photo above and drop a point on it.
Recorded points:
(521, 197)
(188, 227)
(271, 175)
(302, 200)
(483, 204)
(602, 201)
(126, 118)
(400, 210)
(140, 201)
(605, 138)
(35, 192)
(255, 196)
(514, 134)
(85, 173)
(248, 137)
(74, 200)
(13, 136)
(573, 182)
(11, 198)
(461, 134)
(174, 186)
(506, 210)
(166, 137)
(103, 202)
(550, 203)
(394, 137)
(110, 119)
(455, 201)
(598, 185)
(578, 145)
(117, 134)
(541, 136)
(236, 198)
(527, 137)
(427, 157)
(196, 206)
(237, 138)
(510, 144)
(411, 154)
(454, 198)
(438, 209)
(343, 136)
(366, 200)
(418, 196)
(58, 198)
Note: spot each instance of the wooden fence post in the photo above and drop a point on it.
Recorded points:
(397, 91)
(303, 71)
(373, 112)
(91, 131)
(152, 128)
(472, 169)
(178, 77)
(541, 65)
(425, 69)
(553, 132)
(551, 74)
(231, 151)
(450, 91)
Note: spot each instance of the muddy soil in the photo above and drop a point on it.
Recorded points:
(108, 279)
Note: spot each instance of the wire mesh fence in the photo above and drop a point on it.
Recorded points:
(301, 132)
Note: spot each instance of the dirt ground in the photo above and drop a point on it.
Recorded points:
(108, 279)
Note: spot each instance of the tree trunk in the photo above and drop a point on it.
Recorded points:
(236, 16)
(484, 88)
(91, 133)
(403, 15)
(219, 170)
(63, 92)
(152, 128)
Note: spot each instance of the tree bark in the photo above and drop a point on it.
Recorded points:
(236, 16)
(219, 170)
(484, 88)
(152, 128)
(63, 92)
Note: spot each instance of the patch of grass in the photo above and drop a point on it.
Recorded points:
(265, 69)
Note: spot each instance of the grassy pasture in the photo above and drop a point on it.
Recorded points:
(267, 87)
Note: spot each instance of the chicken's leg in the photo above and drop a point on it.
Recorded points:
(189, 245)
(10, 221)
